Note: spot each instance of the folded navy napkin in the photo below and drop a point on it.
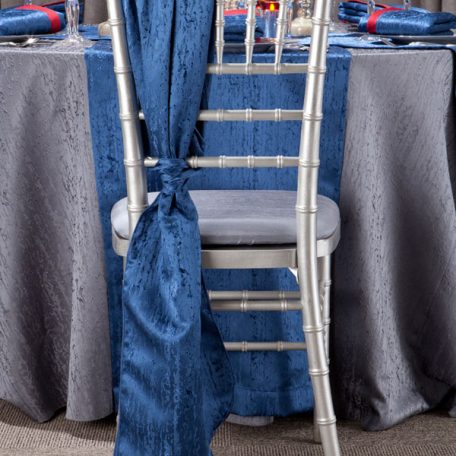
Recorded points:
(235, 26)
(30, 20)
(353, 11)
(388, 20)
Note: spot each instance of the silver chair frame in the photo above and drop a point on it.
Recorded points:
(311, 260)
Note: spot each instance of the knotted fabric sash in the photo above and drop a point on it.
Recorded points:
(176, 382)
(175, 379)
(30, 19)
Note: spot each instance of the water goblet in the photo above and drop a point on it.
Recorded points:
(72, 11)
(336, 25)
(370, 7)
(302, 24)
(72, 36)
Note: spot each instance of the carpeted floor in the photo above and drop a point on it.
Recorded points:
(432, 434)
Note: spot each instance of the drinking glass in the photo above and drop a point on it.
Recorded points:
(302, 24)
(28, 2)
(407, 4)
(290, 14)
(72, 11)
(370, 7)
(336, 25)
(72, 36)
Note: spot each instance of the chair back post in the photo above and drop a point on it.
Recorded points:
(306, 219)
(306, 205)
(135, 173)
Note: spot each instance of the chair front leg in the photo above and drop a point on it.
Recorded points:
(324, 285)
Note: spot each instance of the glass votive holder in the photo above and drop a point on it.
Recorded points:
(269, 10)
(302, 24)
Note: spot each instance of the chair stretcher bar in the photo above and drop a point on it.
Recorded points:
(246, 115)
(256, 68)
(244, 305)
(249, 115)
(264, 346)
(224, 161)
(248, 294)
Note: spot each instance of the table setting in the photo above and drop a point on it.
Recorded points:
(377, 39)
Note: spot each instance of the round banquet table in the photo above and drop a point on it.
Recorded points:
(393, 350)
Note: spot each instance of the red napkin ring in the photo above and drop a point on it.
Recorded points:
(235, 12)
(374, 17)
(51, 14)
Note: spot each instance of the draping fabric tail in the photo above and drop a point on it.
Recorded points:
(175, 381)
(176, 385)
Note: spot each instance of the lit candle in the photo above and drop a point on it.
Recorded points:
(270, 18)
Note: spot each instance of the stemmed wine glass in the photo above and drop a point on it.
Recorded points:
(72, 36)
(337, 25)
(302, 24)
(72, 10)
(370, 7)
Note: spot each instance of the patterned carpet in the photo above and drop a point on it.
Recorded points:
(432, 434)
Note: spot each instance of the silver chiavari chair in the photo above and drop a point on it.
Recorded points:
(309, 255)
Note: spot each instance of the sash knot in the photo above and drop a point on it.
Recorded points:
(174, 174)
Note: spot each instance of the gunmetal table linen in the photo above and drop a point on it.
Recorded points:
(394, 305)
(54, 334)
(381, 368)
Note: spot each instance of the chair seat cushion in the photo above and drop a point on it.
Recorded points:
(244, 217)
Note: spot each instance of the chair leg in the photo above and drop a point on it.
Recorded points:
(316, 428)
(316, 321)
(324, 271)
(324, 285)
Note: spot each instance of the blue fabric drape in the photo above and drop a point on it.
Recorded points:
(266, 383)
(175, 380)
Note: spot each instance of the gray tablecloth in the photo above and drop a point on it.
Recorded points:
(394, 346)
(95, 11)
(54, 340)
(394, 306)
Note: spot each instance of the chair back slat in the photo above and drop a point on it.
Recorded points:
(280, 30)
(219, 30)
(250, 23)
